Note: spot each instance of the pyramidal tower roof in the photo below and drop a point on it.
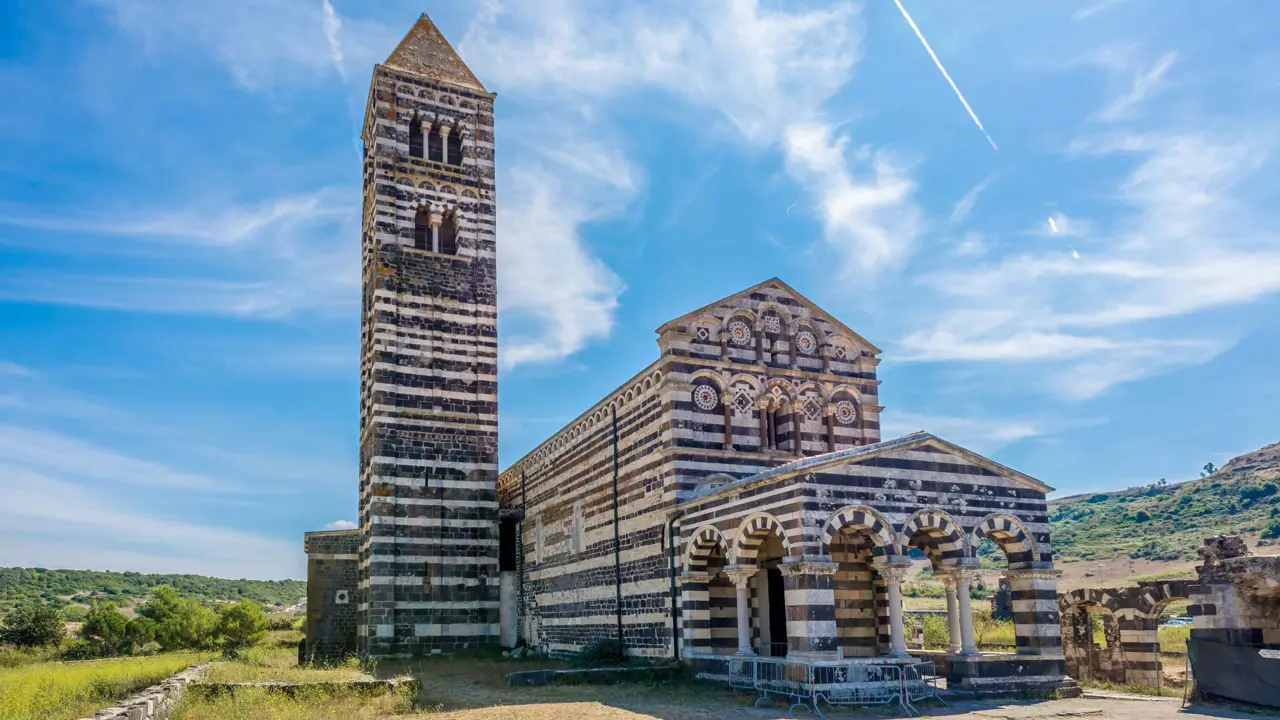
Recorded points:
(425, 51)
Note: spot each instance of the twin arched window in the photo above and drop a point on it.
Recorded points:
(442, 239)
(428, 141)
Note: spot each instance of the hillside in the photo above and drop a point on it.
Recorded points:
(1167, 522)
(61, 588)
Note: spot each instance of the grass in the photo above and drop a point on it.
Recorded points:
(1162, 691)
(267, 663)
(256, 704)
(58, 691)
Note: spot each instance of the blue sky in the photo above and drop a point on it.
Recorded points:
(1093, 303)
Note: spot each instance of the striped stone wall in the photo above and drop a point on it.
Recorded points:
(428, 401)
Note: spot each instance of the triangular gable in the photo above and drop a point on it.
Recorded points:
(780, 285)
(868, 454)
(425, 51)
(950, 451)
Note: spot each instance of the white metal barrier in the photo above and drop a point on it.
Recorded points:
(806, 684)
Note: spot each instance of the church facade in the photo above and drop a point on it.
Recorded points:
(733, 498)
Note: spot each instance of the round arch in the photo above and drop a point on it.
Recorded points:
(946, 537)
(701, 546)
(1010, 534)
(751, 535)
(860, 517)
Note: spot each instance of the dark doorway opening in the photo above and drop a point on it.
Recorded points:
(777, 613)
(507, 545)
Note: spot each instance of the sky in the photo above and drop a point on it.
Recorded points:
(1070, 258)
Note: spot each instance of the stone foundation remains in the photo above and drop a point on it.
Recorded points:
(156, 702)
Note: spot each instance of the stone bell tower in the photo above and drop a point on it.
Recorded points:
(427, 577)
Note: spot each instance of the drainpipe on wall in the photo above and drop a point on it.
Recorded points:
(671, 564)
(522, 613)
(617, 538)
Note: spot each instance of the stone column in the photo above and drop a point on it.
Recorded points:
(435, 219)
(728, 420)
(695, 612)
(741, 576)
(894, 572)
(773, 427)
(444, 143)
(797, 447)
(762, 410)
(809, 588)
(953, 615)
(826, 358)
(724, 344)
(1036, 619)
(830, 413)
(760, 344)
(792, 352)
(963, 577)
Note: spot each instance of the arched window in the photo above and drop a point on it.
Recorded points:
(415, 137)
(422, 229)
(435, 148)
(449, 234)
(455, 147)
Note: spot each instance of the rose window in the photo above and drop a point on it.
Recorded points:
(773, 324)
(846, 413)
(739, 333)
(806, 342)
(706, 397)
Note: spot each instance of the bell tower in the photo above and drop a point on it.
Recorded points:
(427, 578)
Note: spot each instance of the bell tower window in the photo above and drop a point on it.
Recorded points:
(435, 144)
(415, 137)
(422, 229)
(455, 147)
(449, 234)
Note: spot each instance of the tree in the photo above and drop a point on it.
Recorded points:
(1272, 531)
(163, 604)
(105, 624)
(180, 622)
(140, 631)
(1208, 470)
(241, 625)
(33, 626)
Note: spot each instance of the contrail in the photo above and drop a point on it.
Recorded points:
(944, 72)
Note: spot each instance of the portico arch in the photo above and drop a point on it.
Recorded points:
(1007, 531)
(861, 517)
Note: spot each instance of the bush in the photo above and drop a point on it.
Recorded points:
(1141, 516)
(105, 624)
(1253, 491)
(75, 613)
(280, 622)
(242, 625)
(601, 653)
(141, 631)
(180, 622)
(33, 626)
(1272, 531)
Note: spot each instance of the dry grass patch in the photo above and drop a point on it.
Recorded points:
(258, 704)
(56, 690)
(279, 664)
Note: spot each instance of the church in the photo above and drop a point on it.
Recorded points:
(734, 498)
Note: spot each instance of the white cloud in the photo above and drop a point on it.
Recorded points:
(971, 244)
(983, 435)
(66, 456)
(1145, 82)
(1187, 244)
(341, 525)
(1092, 9)
(332, 29)
(870, 223)
(964, 206)
(275, 259)
(47, 522)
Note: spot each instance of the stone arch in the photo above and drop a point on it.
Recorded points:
(840, 340)
(1010, 534)
(752, 532)
(738, 314)
(787, 319)
(860, 517)
(947, 543)
(702, 546)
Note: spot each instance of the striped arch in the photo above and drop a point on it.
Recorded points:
(861, 517)
(813, 385)
(751, 380)
(944, 541)
(702, 546)
(751, 535)
(1010, 534)
(735, 313)
(711, 375)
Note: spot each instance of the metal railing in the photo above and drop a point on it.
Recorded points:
(773, 650)
(807, 684)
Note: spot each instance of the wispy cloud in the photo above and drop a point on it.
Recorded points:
(332, 30)
(964, 206)
(1092, 9)
(974, 116)
(1145, 82)
(65, 456)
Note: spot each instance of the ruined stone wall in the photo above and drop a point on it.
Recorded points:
(429, 577)
(332, 579)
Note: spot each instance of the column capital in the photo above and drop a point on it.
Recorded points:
(764, 403)
(740, 575)
(963, 575)
(948, 581)
(695, 577)
(892, 573)
(809, 567)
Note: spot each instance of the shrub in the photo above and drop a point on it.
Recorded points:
(601, 653)
(242, 625)
(280, 622)
(1272, 530)
(106, 625)
(33, 626)
(181, 622)
(1101, 497)
(75, 613)
(1254, 491)
(141, 631)
(1141, 516)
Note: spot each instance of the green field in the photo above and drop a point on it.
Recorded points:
(64, 691)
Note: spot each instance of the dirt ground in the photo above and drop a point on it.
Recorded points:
(475, 691)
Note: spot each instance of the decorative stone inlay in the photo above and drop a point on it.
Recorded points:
(808, 567)
(703, 333)
(743, 401)
(846, 413)
(705, 397)
(812, 409)
(739, 333)
(840, 352)
(772, 324)
(806, 342)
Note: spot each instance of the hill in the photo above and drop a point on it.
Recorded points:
(61, 588)
(1167, 522)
